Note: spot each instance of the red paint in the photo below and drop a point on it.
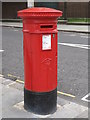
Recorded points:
(40, 66)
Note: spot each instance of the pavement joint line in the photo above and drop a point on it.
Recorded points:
(11, 83)
(5, 81)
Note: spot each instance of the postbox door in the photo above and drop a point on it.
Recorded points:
(44, 62)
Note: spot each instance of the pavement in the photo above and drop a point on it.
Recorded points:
(12, 104)
(61, 27)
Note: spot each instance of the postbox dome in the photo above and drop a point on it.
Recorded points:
(40, 12)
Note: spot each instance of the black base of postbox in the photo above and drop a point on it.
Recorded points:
(40, 103)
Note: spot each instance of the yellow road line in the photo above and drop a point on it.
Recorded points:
(66, 94)
(11, 84)
(69, 95)
(9, 75)
(20, 81)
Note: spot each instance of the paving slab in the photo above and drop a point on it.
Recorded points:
(13, 105)
(84, 114)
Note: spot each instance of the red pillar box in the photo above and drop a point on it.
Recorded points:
(40, 58)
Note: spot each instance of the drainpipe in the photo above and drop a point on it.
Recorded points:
(30, 3)
(65, 10)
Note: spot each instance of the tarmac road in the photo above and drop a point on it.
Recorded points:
(72, 61)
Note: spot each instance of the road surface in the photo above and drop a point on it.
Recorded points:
(72, 62)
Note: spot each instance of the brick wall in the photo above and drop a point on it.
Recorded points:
(9, 9)
(76, 9)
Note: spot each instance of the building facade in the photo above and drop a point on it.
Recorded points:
(71, 9)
